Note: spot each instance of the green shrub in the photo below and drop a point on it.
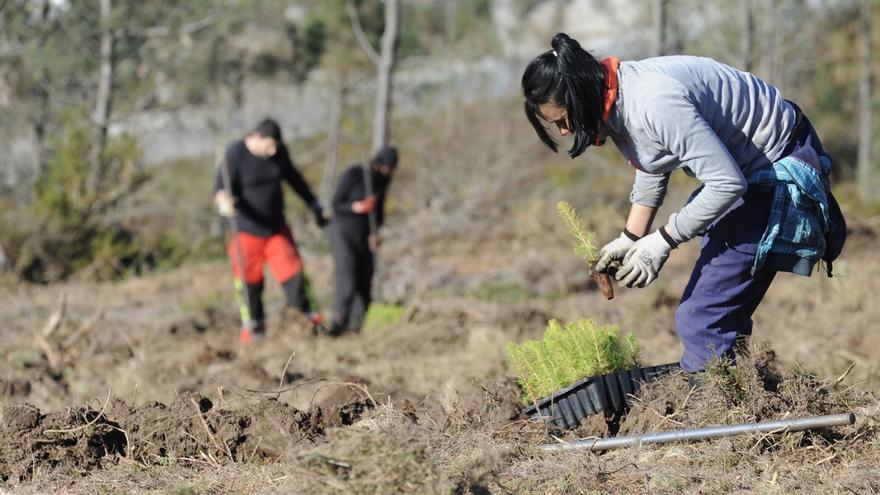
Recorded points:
(568, 353)
(382, 315)
(67, 229)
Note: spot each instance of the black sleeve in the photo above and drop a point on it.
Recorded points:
(231, 163)
(294, 178)
(380, 208)
(342, 198)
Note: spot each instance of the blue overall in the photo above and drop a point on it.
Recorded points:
(723, 292)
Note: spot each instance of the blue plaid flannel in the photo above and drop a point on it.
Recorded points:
(795, 237)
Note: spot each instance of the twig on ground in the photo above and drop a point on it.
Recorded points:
(284, 373)
(83, 330)
(288, 389)
(90, 423)
(53, 359)
(128, 446)
(42, 338)
(57, 316)
(621, 468)
(665, 418)
(770, 433)
(134, 351)
(199, 461)
(684, 402)
(210, 434)
(845, 373)
(254, 452)
(210, 459)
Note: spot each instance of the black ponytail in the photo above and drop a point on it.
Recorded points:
(567, 76)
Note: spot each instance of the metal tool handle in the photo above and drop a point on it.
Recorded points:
(696, 434)
(238, 258)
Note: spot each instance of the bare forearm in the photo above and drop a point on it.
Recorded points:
(640, 219)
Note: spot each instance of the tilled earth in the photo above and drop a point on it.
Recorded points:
(141, 386)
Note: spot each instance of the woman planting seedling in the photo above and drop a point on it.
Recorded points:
(764, 205)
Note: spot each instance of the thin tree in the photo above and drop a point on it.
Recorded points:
(387, 61)
(449, 12)
(864, 172)
(334, 137)
(659, 14)
(771, 26)
(747, 61)
(103, 98)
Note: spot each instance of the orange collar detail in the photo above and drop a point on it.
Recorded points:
(611, 64)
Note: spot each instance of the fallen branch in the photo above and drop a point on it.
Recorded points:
(53, 358)
(42, 338)
(55, 319)
(83, 329)
(845, 373)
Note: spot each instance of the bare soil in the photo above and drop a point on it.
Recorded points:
(143, 386)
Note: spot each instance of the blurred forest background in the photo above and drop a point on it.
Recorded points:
(112, 112)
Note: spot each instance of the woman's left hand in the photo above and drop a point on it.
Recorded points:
(643, 261)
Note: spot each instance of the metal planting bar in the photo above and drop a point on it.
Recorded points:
(695, 434)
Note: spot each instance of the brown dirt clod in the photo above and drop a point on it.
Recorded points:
(190, 428)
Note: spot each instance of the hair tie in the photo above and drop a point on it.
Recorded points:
(555, 54)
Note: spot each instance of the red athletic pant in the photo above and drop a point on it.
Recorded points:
(278, 250)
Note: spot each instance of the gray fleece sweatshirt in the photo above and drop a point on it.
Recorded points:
(694, 112)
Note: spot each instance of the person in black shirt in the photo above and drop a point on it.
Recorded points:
(352, 242)
(257, 166)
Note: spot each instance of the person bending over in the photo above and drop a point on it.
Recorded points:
(764, 205)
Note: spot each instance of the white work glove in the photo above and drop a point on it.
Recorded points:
(644, 260)
(225, 204)
(615, 250)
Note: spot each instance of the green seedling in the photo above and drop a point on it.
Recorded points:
(583, 238)
(584, 247)
(569, 353)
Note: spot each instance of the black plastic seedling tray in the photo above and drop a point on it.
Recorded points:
(604, 394)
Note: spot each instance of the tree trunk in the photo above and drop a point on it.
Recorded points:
(102, 101)
(768, 49)
(748, 36)
(864, 174)
(659, 16)
(41, 134)
(450, 83)
(334, 136)
(387, 60)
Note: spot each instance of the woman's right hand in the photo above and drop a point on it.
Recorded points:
(364, 206)
(614, 251)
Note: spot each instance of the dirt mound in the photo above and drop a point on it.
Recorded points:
(77, 438)
(192, 428)
(755, 389)
(189, 429)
